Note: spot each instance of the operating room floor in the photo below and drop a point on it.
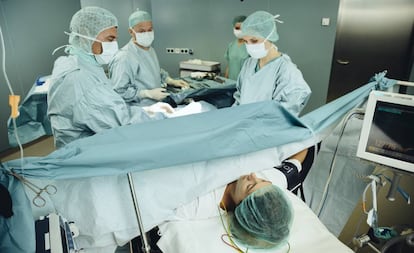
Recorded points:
(40, 147)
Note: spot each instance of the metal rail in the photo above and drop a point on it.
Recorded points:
(145, 245)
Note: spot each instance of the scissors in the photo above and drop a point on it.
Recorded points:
(38, 200)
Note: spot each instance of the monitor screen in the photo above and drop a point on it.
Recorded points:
(387, 135)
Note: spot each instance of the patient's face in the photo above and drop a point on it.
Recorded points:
(247, 184)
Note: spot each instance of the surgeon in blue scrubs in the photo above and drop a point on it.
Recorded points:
(268, 74)
(81, 101)
(135, 70)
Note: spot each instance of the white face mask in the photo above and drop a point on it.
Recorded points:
(237, 33)
(109, 50)
(145, 39)
(257, 51)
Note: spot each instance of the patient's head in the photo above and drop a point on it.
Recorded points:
(246, 185)
(263, 218)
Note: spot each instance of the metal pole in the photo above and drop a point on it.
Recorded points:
(145, 246)
(394, 186)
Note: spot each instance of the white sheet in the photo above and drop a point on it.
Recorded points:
(103, 210)
(204, 236)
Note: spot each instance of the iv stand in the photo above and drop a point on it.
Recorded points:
(145, 246)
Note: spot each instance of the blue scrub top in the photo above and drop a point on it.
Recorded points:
(278, 80)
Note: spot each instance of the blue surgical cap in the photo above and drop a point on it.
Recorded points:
(137, 17)
(260, 24)
(89, 22)
(238, 19)
(263, 219)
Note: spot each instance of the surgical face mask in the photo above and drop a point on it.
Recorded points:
(257, 51)
(109, 50)
(237, 32)
(145, 39)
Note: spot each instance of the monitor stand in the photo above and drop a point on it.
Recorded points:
(394, 185)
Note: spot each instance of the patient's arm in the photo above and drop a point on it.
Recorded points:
(300, 156)
(297, 166)
(292, 168)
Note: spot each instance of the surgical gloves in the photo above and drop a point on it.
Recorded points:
(159, 107)
(155, 94)
(177, 82)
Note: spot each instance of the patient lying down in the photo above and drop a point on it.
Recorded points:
(259, 215)
(102, 209)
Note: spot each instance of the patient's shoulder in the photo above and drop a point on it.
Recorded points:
(275, 176)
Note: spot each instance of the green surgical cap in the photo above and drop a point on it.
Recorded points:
(137, 17)
(263, 219)
(238, 19)
(89, 21)
(260, 24)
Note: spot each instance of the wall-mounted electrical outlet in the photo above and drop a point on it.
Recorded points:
(171, 50)
(186, 50)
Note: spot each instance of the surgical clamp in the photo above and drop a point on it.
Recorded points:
(38, 200)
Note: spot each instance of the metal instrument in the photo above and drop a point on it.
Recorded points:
(38, 200)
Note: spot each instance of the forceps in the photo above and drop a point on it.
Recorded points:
(38, 200)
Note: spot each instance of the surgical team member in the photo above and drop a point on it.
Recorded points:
(269, 74)
(236, 52)
(81, 101)
(135, 70)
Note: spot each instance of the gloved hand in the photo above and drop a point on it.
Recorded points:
(177, 83)
(158, 107)
(155, 94)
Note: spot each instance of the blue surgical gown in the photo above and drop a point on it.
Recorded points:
(81, 101)
(134, 69)
(278, 80)
(235, 55)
